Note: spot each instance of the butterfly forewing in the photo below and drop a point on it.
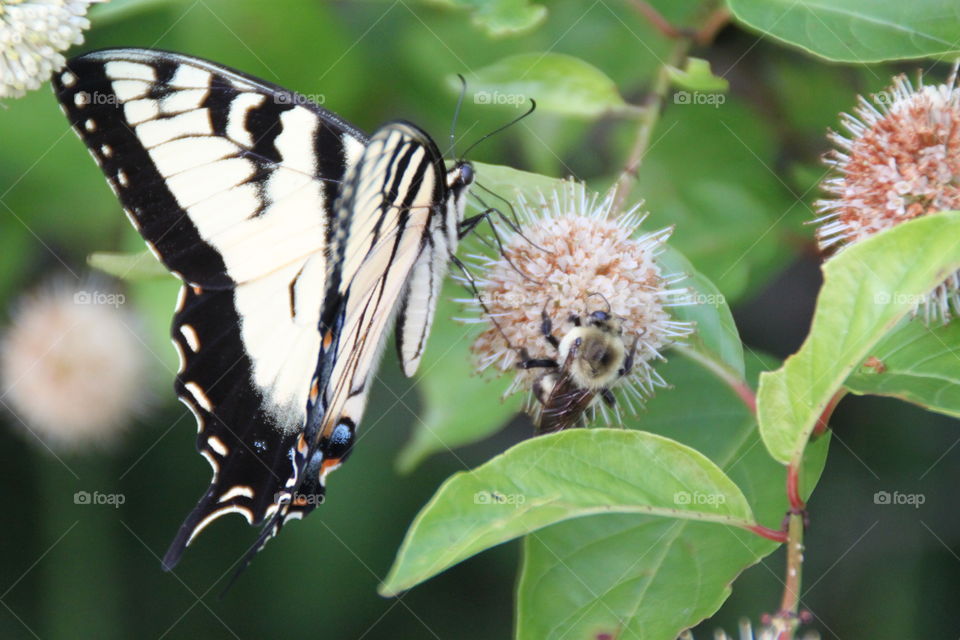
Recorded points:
(231, 181)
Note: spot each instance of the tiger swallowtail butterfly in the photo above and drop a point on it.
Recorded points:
(298, 240)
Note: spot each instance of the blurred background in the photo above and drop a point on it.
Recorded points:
(736, 178)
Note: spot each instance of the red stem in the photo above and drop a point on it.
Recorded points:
(824, 419)
(768, 533)
(746, 394)
(793, 489)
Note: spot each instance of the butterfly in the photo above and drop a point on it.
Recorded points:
(298, 239)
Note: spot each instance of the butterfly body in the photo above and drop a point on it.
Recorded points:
(298, 239)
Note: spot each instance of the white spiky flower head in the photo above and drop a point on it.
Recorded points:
(72, 370)
(773, 630)
(33, 35)
(574, 254)
(899, 159)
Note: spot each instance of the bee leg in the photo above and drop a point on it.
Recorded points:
(546, 328)
(538, 363)
(608, 397)
(575, 320)
(628, 363)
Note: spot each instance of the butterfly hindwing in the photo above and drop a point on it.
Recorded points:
(395, 211)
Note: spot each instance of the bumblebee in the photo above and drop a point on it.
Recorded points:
(591, 358)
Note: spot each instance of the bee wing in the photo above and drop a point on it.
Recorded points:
(566, 404)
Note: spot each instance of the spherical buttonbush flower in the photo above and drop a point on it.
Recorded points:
(574, 261)
(33, 33)
(899, 159)
(72, 369)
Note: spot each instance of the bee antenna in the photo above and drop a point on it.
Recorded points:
(602, 297)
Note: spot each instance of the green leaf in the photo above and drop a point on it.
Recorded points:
(503, 17)
(867, 289)
(647, 577)
(916, 363)
(857, 30)
(559, 83)
(716, 342)
(448, 382)
(128, 266)
(696, 76)
(557, 477)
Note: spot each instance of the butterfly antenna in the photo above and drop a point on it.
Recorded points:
(533, 107)
(456, 116)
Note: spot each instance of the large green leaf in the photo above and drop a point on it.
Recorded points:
(867, 289)
(916, 363)
(449, 382)
(558, 477)
(644, 577)
(857, 30)
(558, 82)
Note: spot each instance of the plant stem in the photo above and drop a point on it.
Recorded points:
(648, 121)
(704, 34)
(824, 419)
(790, 604)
